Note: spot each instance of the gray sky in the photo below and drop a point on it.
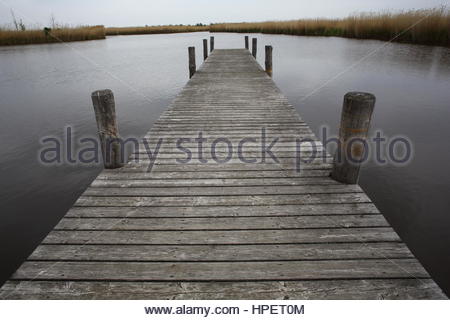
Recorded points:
(155, 12)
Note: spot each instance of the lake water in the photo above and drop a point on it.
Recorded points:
(44, 88)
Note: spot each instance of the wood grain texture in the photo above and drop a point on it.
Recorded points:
(380, 289)
(219, 223)
(215, 237)
(108, 131)
(269, 252)
(355, 124)
(221, 271)
(224, 211)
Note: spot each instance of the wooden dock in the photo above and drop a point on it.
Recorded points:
(223, 230)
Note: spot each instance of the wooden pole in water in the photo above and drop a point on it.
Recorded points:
(105, 114)
(269, 50)
(355, 123)
(211, 40)
(254, 47)
(205, 49)
(192, 66)
(246, 43)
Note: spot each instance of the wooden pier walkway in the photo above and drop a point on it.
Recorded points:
(223, 231)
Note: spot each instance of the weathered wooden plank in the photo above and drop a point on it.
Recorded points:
(277, 236)
(191, 142)
(191, 112)
(254, 182)
(253, 155)
(221, 148)
(213, 174)
(220, 191)
(176, 201)
(222, 271)
(308, 162)
(222, 211)
(229, 125)
(230, 136)
(170, 117)
(143, 167)
(238, 133)
(216, 223)
(287, 143)
(323, 251)
(372, 289)
(224, 161)
(267, 290)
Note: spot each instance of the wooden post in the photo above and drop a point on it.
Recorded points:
(254, 47)
(192, 66)
(246, 43)
(211, 40)
(105, 114)
(355, 123)
(205, 49)
(269, 50)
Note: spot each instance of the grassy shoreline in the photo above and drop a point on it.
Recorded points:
(428, 27)
(113, 31)
(67, 34)
(13, 37)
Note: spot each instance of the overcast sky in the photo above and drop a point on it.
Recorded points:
(156, 12)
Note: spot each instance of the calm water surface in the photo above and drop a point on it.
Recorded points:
(43, 88)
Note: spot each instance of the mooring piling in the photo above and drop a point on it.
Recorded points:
(246, 43)
(355, 123)
(269, 50)
(211, 40)
(205, 49)
(192, 66)
(108, 131)
(254, 47)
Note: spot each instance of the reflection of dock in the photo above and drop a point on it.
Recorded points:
(234, 230)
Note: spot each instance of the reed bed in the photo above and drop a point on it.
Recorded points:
(431, 27)
(13, 37)
(154, 30)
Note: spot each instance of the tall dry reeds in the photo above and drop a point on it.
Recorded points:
(430, 27)
(47, 35)
(417, 26)
(154, 30)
